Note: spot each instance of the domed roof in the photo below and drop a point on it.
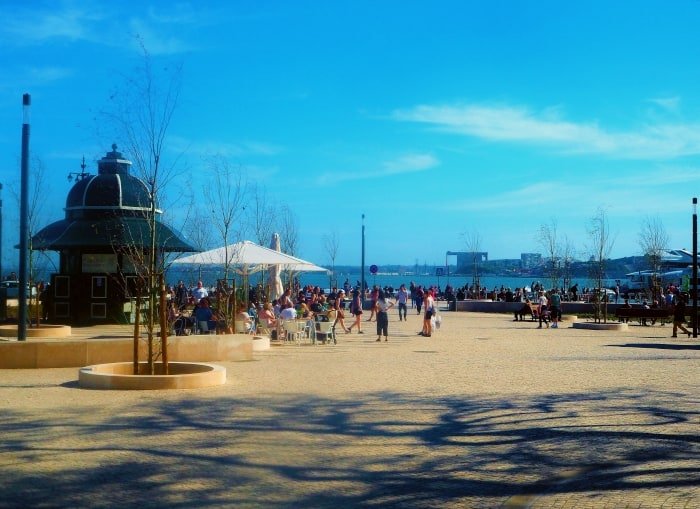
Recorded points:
(112, 190)
(108, 210)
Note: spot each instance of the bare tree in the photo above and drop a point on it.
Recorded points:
(261, 215)
(199, 231)
(548, 240)
(226, 196)
(567, 259)
(653, 240)
(288, 230)
(600, 248)
(38, 261)
(289, 236)
(472, 242)
(331, 243)
(141, 112)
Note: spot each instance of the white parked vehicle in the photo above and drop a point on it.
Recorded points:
(12, 288)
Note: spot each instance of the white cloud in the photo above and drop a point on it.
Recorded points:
(71, 21)
(225, 149)
(98, 24)
(410, 163)
(520, 125)
(48, 74)
(668, 103)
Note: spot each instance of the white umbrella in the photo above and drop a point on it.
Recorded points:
(249, 257)
(274, 281)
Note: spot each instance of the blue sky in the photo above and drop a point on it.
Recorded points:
(434, 119)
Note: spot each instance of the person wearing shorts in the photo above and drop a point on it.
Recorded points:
(428, 305)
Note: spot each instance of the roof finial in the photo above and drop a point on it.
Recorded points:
(114, 147)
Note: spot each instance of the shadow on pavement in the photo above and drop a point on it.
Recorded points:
(383, 449)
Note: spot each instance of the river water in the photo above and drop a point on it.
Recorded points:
(209, 277)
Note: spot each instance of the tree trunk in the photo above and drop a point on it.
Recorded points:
(163, 325)
(137, 332)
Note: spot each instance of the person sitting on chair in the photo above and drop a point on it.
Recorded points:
(267, 317)
(526, 309)
(204, 314)
(626, 305)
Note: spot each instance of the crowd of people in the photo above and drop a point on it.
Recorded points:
(192, 308)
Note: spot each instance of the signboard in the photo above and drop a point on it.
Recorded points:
(100, 263)
(373, 269)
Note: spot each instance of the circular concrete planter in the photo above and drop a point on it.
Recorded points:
(119, 376)
(261, 343)
(43, 331)
(599, 326)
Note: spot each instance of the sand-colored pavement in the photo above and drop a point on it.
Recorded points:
(486, 413)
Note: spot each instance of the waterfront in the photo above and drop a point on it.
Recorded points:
(209, 277)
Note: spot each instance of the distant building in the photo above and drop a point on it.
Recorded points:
(530, 260)
(467, 259)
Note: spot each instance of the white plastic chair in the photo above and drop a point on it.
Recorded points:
(327, 331)
(242, 327)
(294, 329)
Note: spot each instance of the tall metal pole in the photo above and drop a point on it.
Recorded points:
(0, 232)
(447, 265)
(24, 223)
(362, 267)
(695, 267)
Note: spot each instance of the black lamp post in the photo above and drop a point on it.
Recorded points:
(362, 268)
(0, 233)
(695, 267)
(23, 314)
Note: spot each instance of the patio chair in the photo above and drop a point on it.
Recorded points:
(325, 331)
(294, 330)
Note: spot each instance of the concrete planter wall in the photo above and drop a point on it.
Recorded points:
(76, 353)
(182, 375)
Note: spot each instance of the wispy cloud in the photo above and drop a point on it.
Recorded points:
(409, 163)
(48, 74)
(521, 125)
(668, 103)
(98, 24)
(32, 26)
(225, 149)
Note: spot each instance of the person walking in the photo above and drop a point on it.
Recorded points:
(420, 297)
(555, 308)
(340, 311)
(356, 310)
(402, 299)
(429, 307)
(679, 316)
(374, 295)
(383, 306)
(543, 309)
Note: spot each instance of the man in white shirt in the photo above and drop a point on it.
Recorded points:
(199, 293)
(288, 313)
(543, 308)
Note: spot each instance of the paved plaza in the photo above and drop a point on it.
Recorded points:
(486, 413)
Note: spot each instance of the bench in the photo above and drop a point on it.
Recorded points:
(534, 313)
(642, 314)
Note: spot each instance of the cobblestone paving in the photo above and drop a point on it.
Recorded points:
(486, 413)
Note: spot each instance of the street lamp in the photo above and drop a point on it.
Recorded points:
(695, 267)
(362, 268)
(0, 231)
(78, 175)
(22, 314)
